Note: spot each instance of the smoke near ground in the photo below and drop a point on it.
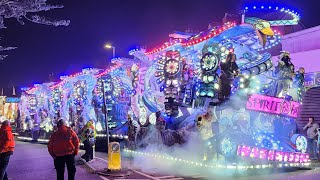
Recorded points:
(187, 159)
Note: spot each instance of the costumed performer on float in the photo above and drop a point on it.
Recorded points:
(298, 83)
(204, 127)
(284, 72)
(230, 70)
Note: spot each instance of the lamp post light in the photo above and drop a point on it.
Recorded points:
(108, 46)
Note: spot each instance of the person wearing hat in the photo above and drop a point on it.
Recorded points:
(63, 147)
(6, 148)
(284, 72)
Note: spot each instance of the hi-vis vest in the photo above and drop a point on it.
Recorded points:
(6, 140)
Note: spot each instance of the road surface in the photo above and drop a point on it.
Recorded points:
(32, 162)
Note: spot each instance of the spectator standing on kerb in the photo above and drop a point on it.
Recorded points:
(88, 138)
(63, 147)
(6, 148)
(312, 135)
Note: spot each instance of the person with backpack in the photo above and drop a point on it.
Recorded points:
(63, 147)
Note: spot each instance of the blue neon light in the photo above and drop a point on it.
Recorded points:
(270, 7)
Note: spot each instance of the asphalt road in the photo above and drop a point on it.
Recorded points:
(33, 162)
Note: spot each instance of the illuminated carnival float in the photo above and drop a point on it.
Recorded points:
(219, 85)
(9, 108)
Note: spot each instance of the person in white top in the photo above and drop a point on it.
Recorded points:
(312, 135)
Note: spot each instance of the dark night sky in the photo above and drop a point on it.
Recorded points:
(125, 23)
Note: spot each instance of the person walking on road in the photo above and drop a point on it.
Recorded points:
(6, 148)
(63, 147)
(88, 136)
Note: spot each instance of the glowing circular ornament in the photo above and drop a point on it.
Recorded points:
(209, 62)
(153, 118)
(300, 142)
(223, 49)
(172, 66)
(227, 146)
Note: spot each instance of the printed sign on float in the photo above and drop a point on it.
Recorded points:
(272, 155)
(273, 105)
(312, 80)
(12, 100)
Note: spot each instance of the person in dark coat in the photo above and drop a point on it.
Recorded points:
(230, 70)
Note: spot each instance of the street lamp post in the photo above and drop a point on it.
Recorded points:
(108, 46)
(105, 113)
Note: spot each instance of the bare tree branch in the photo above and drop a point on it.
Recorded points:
(26, 10)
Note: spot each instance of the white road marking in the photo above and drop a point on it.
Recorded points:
(195, 175)
(198, 176)
(165, 177)
(146, 175)
(102, 159)
(104, 178)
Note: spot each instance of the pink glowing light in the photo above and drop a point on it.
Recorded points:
(193, 41)
(271, 155)
(279, 156)
(273, 105)
(263, 154)
(254, 152)
(244, 151)
(286, 157)
(292, 157)
(304, 158)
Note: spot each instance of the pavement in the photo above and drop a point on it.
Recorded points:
(31, 161)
